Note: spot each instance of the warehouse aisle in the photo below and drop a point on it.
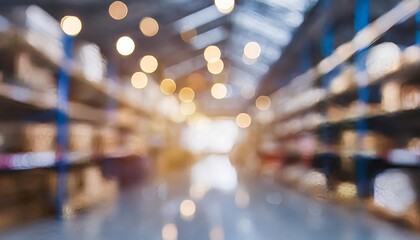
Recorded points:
(255, 209)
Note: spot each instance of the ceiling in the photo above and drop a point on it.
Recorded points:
(289, 45)
(271, 23)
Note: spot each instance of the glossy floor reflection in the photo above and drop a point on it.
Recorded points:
(255, 209)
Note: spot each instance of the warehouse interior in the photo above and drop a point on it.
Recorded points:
(210, 119)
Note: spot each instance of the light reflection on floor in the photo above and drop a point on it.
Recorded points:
(232, 207)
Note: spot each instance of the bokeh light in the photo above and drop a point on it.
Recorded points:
(148, 64)
(118, 10)
(187, 209)
(139, 80)
(168, 86)
(169, 232)
(243, 120)
(188, 34)
(188, 108)
(216, 67)
(263, 102)
(212, 54)
(149, 26)
(125, 46)
(196, 81)
(186, 94)
(71, 25)
(225, 6)
(219, 91)
(217, 233)
(252, 50)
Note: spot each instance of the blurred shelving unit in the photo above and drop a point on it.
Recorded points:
(108, 120)
(350, 123)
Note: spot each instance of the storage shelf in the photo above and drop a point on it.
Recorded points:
(99, 91)
(11, 162)
(408, 119)
(404, 74)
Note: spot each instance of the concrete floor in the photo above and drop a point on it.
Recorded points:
(256, 209)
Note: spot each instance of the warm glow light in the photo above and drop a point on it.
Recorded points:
(188, 108)
(263, 103)
(252, 50)
(169, 232)
(216, 67)
(186, 94)
(125, 46)
(243, 120)
(217, 233)
(149, 26)
(212, 54)
(71, 25)
(225, 6)
(139, 80)
(187, 209)
(219, 91)
(189, 34)
(148, 64)
(248, 91)
(168, 86)
(118, 10)
(196, 81)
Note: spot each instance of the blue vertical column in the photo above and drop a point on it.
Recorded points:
(327, 48)
(418, 28)
(361, 20)
(63, 88)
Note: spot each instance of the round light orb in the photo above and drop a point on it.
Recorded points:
(168, 86)
(219, 91)
(186, 94)
(243, 120)
(125, 46)
(71, 25)
(149, 26)
(252, 50)
(225, 6)
(148, 64)
(118, 10)
(216, 67)
(139, 80)
(263, 102)
(212, 54)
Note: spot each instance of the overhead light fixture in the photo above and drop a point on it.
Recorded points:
(149, 26)
(71, 25)
(186, 94)
(224, 6)
(263, 102)
(243, 120)
(219, 91)
(216, 67)
(139, 80)
(118, 10)
(212, 54)
(149, 64)
(125, 46)
(168, 86)
(252, 50)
